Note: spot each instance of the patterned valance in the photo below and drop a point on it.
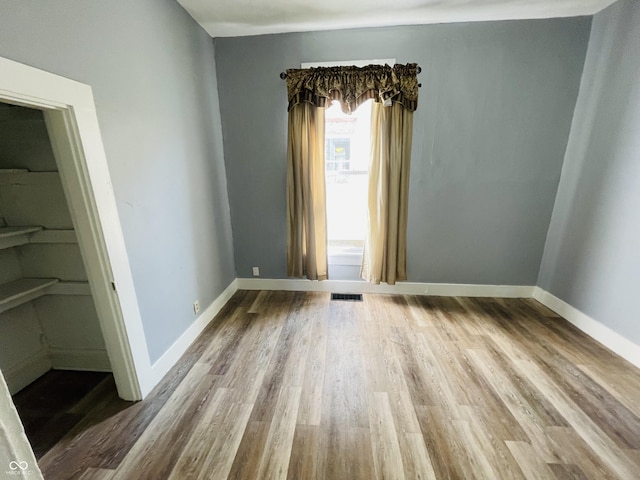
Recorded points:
(352, 86)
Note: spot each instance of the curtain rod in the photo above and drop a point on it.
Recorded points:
(283, 75)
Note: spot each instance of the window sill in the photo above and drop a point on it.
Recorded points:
(345, 256)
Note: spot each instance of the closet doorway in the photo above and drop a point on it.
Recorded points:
(99, 267)
(48, 318)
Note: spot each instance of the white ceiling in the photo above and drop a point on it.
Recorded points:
(231, 18)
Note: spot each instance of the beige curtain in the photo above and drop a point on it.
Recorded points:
(385, 251)
(16, 457)
(306, 212)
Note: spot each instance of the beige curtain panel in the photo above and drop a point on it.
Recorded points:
(306, 211)
(385, 248)
(309, 91)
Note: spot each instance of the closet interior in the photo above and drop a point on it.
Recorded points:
(48, 318)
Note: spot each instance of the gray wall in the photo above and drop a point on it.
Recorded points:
(490, 133)
(592, 255)
(152, 71)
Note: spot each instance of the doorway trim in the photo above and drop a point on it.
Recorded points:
(70, 114)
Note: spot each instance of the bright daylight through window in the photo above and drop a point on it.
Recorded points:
(347, 147)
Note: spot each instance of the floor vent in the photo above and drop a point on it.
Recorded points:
(348, 297)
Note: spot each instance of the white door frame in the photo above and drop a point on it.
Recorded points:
(70, 114)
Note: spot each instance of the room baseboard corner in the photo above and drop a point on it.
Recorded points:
(596, 330)
(160, 368)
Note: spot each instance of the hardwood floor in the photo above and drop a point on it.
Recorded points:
(293, 386)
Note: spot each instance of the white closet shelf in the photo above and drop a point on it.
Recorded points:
(21, 176)
(53, 236)
(9, 175)
(21, 291)
(14, 236)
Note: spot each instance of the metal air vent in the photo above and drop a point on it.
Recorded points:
(347, 297)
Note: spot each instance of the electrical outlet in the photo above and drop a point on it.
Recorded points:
(256, 271)
(196, 306)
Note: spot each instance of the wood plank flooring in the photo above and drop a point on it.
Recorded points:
(286, 385)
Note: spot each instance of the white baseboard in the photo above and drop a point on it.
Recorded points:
(603, 334)
(79, 359)
(160, 368)
(27, 371)
(402, 288)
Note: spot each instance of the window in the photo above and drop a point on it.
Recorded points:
(347, 144)
(347, 152)
(308, 91)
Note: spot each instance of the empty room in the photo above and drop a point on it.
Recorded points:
(319, 240)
